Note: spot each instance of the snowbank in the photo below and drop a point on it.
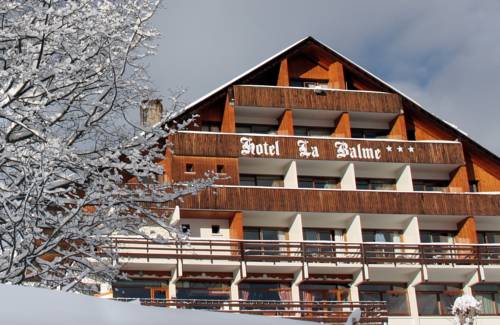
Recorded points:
(26, 306)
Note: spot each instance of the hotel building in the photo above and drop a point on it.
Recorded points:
(337, 192)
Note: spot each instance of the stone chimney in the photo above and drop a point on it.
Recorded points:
(151, 112)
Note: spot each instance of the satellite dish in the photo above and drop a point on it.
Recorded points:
(354, 317)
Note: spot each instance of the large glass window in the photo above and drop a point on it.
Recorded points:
(137, 289)
(203, 290)
(376, 184)
(488, 237)
(393, 294)
(382, 236)
(432, 236)
(318, 182)
(369, 133)
(209, 126)
(436, 299)
(309, 83)
(312, 131)
(261, 180)
(264, 248)
(430, 185)
(488, 295)
(324, 292)
(265, 291)
(256, 128)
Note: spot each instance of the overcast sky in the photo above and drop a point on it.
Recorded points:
(443, 54)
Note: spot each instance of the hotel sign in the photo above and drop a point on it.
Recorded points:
(305, 150)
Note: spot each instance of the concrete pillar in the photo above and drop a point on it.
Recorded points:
(348, 180)
(290, 180)
(357, 280)
(297, 279)
(354, 233)
(172, 289)
(411, 233)
(175, 217)
(234, 292)
(404, 182)
(412, 295)
(295, 232)
(473, 279)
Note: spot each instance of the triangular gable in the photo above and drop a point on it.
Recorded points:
(325, 53)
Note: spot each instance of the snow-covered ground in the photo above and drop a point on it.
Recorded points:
(26, 306)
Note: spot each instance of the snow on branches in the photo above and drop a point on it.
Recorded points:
(465, 309)
(71, 80)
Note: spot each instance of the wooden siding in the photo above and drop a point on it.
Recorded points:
(228, 145)
(202, 165)
(344, 101)
(377, 202)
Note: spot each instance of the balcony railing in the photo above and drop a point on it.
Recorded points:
(320, 311)
(310, 252)
(211, 144)
(306, 98)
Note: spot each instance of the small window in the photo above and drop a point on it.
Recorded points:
(189, 168)
(215, 229)
(185, 228)
(220, 169)
(473, 186)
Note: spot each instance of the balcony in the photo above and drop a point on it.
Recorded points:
(316, 148)
(310, 252)
(306, 98)
(321, 311)
(240, 198)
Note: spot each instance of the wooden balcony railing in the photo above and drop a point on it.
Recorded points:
(310, 252)
(372, 312)
(306, 98)
(207, 144)
(241, 198)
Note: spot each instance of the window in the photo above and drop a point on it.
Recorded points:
(411, 135)
(436, 299)
(375, 184)
(264, 248)
(221, 169)
(432, 236)
(312, 131)
(265, 291)
(380, 253)
(369, 133)
(324, 292)
(139, 289)
(323, 234)
(189, 168)
(474, 186)
(430, 185)
(489, 296)
(309, 83)
(318, 182)
(488, 237)
(256, 128)
(382, 236)
(261, 180)
(186, 228)
(393, 294)
(203, 290)
(215, 229)
(209, 126)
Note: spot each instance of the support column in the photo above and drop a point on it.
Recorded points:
(467, 232)
(353, 231)
(234, 293)
(236, 226)
(297, 279)
(404, 182)
(459, 181)
(286, 123)
(283, 78)
(228, 117)
(295, 233)
(412, 294)
(342, 126)
(411, 232)
(474, 279)
(172, 289)
(175, 217)
(348, 180)
(336, 78)
(398, 128)
(291, 179)
(354, 290)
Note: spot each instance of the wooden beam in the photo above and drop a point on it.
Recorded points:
(467, 232)
(459, 182)
(228, 117)
(336, 78)
(286, 123)
(343, 126)
(236, 226)
(283, 77)
(398, 128)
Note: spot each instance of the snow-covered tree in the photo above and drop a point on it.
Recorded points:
(71, 77)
